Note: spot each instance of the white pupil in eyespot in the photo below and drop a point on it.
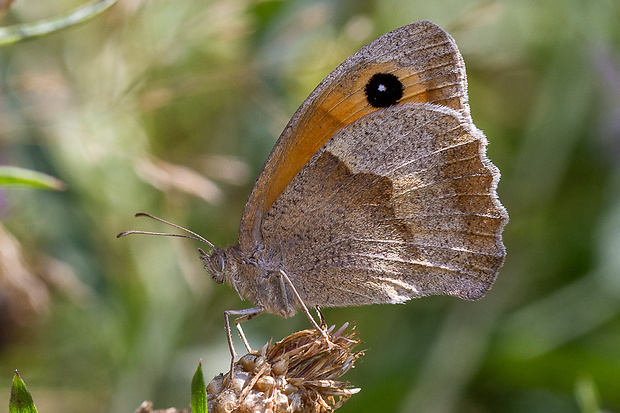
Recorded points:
(382, 88)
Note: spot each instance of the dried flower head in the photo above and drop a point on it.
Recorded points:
(295, 375)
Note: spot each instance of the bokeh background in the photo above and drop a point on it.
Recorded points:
(171, 107)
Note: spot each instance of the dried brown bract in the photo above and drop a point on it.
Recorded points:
(295, 375)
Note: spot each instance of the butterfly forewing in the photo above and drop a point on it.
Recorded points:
(422, 56)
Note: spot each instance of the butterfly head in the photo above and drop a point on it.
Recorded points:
(223, 265)
(215, 263)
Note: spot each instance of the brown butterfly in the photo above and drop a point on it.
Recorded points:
(378, 190)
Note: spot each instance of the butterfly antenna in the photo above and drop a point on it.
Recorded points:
(195, 236)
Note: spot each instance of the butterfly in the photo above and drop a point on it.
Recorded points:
(378, 190)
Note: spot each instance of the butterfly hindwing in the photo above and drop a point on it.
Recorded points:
(400, 204)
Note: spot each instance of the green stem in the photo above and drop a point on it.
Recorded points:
(19, 32)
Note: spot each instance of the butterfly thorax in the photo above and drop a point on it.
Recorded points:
(256, 277)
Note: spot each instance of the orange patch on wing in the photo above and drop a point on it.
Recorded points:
(340, 106)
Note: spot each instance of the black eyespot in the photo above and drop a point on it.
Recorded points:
(383, 89)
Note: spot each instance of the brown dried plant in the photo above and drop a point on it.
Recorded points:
(298, 374)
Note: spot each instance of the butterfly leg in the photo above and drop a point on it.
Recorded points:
(306, 311)
(319, 314)
(244, 315)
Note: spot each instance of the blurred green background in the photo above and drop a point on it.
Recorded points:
(171, 107)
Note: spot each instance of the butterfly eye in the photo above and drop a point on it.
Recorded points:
(217, 262)
(383, 89)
